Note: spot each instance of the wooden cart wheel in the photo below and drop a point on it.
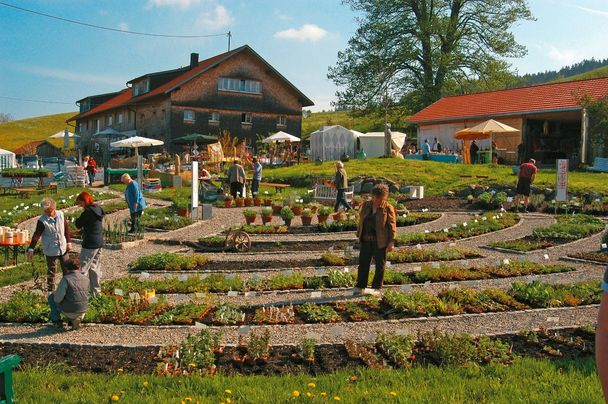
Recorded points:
(238, 240)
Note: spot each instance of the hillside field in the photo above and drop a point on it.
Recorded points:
(16, 133)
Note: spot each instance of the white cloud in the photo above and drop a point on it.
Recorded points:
(123, 26)
(217, 17)
(564, 56)
(593, 11)
(181, 4)
(307, 32)
(61, 74)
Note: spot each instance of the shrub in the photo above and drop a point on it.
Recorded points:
(287, 214)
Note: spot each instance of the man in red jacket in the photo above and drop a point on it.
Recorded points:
(527, 175)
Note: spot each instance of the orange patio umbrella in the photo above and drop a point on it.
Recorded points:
(484, 130)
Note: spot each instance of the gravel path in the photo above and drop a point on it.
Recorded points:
(478, 324)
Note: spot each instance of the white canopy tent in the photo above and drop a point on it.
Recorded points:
(372, 143)
(331, 142)
(61, 135)
(7, 159)
(281, 137)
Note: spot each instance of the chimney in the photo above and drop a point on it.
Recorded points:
(193, 60)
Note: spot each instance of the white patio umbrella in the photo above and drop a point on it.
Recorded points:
(136, 142)
(281, 137)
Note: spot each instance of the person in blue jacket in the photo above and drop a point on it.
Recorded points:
(135, 200)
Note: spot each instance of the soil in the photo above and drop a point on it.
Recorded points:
(557, 344)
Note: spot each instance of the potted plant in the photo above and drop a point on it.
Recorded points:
(357, 201)
(287, 215)
(248, 202)
(297, 208)
(306, 217)
(257, 201)
(239, 202)
(182, 207)
(250, 215)
(266, 215)
(228, 201)
(276, 207)
(323, 213)
(267, 201)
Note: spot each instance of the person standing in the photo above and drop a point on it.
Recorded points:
(135, 200)
(236, 178)
(90, 222)
(85, 164)
(257, 177)
(474, 149)
(527, 175)
(71, 298)
(376, 232)
(437, 148)
(91, 170)
(53, 231)
(341, 183)
(426, 150)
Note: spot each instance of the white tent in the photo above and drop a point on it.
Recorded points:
(372, 143)
(136, 142)
(61, 135)
(281, 137)
(331, 142)
(7, 159)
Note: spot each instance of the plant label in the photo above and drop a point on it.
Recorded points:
(446, 230)
(546, 257)
(454, 226)
(337, 330)
(315, 295)
(498, 263)
(233, 293)
(183, 278)
(244, 330)
(427, 283)
(406, 288)
(417, 269)
(435, 265)
(286, 273)
(200, 326)
(346, 270)
(426, 231)
(604, 246)
(388, 264)
(330, 249)
(552, 319)
(349, 293)
(484, 218)
(119, 292)
(506, 261)
(134, 296)
(250, 294)
(418, 246)
(521, 259)
(202, 276)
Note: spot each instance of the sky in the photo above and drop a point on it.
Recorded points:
(57, 62)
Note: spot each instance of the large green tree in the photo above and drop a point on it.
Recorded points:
(416, 51)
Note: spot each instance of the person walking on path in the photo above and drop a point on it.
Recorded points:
(90, 222)
(53, 231)
(91, 170)
(527, 175)
(71, 298)
(376, 231)
(257, 177)
(426, 150)
(236, 178)
(341, 183)
(135, 200)
(474, 149)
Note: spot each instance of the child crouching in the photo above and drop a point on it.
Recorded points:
(71, 298)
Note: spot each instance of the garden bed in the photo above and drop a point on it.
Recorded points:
(165, 218)
(599, 257)
(568, 228)
(390, 351)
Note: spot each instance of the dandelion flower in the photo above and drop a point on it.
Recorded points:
(188, 399)
(114, 397)
(295, 393)
(311, 385)
(337, 398)
(392, 393)
(228, 400)
(323, 394)
(119, 370)
(309, 394)
(353, 378)
(228, 391)
(146, 384)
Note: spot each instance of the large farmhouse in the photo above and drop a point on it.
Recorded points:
(236, 91)
(552, 124)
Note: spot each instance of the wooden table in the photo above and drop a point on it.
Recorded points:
(15, 247)
(24, 193)
(277, 187)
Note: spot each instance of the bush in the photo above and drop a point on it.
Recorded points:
(287, 214)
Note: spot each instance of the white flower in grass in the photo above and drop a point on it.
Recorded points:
(166, 218)
(63, 201)
(10, 213)
(22, 204)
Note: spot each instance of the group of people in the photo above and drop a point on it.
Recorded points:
(81, 274)
(90, 169)
(237, 178)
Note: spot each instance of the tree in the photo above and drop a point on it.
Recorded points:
(4, 117)
(416, 51)
(598, 123)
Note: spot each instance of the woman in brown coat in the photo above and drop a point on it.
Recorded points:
(376, 232)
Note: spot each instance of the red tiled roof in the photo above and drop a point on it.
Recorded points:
(26, 148)
(514, 101)
(123, 97)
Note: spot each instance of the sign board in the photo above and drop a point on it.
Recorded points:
(562, 181)
(194, 202)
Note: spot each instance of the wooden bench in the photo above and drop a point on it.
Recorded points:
(600, 165)
(24, 193)
(7, 364)
(325, 193)
(277, 187)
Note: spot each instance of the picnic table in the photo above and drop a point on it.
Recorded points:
(14, 246)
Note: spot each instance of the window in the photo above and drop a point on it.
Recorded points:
(281, 120)
(110, 120)
(188, 115)
(246, 118)
(141, 87)
(119, 119)
(215, 117)
(239, 85)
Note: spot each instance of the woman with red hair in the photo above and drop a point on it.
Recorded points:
(90, 222)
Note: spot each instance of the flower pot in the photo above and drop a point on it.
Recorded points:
(297, 210)
(322, 218)
(266, 219)
(240, 202)
(306, 220)
(228, 203)
(276, 209)
(267, 202)
(287, 222)
(248, 202)
(250, 219)
(257, 202)
(183, 212)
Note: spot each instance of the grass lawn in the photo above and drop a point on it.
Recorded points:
(17, 133)
(439, 178)
(528, 380)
